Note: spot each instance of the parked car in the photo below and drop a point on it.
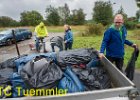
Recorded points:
(6, 37)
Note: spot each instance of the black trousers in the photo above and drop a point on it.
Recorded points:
(118, 62)
(68, 45)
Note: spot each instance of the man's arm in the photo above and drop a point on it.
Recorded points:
(105, 40)
(46, 31)
(127, 42)
(70, 37)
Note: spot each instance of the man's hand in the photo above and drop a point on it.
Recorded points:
(47, 36)
(101, 55)
(65, 41)
(134, 45)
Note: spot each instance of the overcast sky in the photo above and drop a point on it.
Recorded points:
(13, 8)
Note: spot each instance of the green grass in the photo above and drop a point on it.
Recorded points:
(95, 42)
(54, 29)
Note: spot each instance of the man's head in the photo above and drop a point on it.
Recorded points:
(118, 20)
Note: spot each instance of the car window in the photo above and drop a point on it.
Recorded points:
(3, 33)
(21, 30)
(17, 31)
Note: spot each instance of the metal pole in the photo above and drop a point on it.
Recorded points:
(13, 33)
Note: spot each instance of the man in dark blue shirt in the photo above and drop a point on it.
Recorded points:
(114, 40)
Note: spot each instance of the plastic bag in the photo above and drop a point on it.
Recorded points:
(93, 78)
(17, 82)
(71, 82)
(41, 73)
(130, 69)
(77, 56)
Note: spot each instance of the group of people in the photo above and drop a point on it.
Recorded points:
(41, 32)
(113, 40)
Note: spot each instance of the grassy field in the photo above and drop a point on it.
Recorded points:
(54, 28)
(95, 42)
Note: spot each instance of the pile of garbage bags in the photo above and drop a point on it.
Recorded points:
(53, 74)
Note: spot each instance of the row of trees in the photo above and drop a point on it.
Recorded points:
(102, 13)
(54, 16)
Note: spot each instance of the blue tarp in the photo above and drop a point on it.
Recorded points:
(71, 82)
(23, 60)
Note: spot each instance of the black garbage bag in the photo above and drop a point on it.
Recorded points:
(10, 63)
(5, 81)
(93, 78)
(6, 72)
(17, 82)
(77, 56)
(57, 41)
(7, 68)
(41, 73)
(130, 69)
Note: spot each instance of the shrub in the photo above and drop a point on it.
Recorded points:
(138, 26)
(93, 29)
(130, 25)
(136, 34)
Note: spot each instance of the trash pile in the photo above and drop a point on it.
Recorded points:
(53, 73)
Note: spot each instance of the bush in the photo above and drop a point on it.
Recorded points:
(136, 34)
(138, 26)
(130, 25)
(93, 29)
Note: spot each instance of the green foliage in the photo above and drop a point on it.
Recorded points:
(138, 3)
(30, 18)
(138, 15)
(53, 17)
(6, 21)
(93, 29)
(136, 34)
(77, 17)
(61, 16)
(138, 26)
(102, 12)
(130, 24)
(64, 13)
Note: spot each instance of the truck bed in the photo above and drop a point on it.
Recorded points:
(122, 88)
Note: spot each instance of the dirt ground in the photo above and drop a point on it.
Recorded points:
(7, 52)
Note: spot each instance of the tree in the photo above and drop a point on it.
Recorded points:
(103, 12)
(64, 13)
(138, 3)
(77, 17)
(138, 15)
(138, 12)
(121, 11)
(30, 18)
(52, 17)
(6, 21)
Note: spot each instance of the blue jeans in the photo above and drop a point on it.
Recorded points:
(38, 41)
